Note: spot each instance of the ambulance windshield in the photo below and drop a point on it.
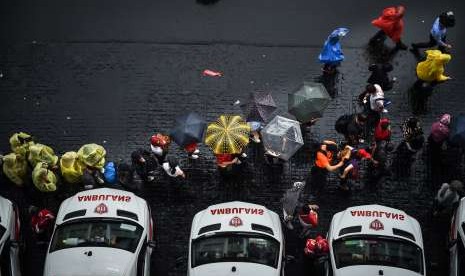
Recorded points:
(383, 251)
(235, 247)
(103, 233)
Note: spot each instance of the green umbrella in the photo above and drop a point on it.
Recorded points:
(308, 102)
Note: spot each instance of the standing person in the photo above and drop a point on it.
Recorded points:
(448, 197)
(438, 32)
(42, 223)
(356, 129)
(144, 164)
(331, 55)
(308, 218)
(290, 201)
(439, 132)
(412, 142)
(159, 144)
(350, 169)
(376, 101)
(324, 157)
(391, 24)
(379, 75)
(255, 128)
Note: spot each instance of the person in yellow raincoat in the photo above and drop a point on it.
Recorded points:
(43, 178)
(92, 155)
(42, 153)
(432, 69)
(15, 168)
(71, 168)
(20, 143)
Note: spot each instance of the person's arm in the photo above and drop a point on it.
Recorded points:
(329, 142)
(332, 168)
(347, 170)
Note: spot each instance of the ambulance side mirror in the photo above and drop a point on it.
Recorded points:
(152, 244)
(289, 259)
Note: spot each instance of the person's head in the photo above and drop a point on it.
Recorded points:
(413, 123)
(445, 119)
(137, 157)
(456, 185)
(370, 88)
(447, 19)
(384, 123)
(361, 118)
(330, 148)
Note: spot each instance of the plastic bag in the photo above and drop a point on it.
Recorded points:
(110, 173)
(15, 168)
(42, 153)
(71, 168)
(43, 178)
(92, 155)
(20, 143)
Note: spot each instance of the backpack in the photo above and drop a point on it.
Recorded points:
(342, 123)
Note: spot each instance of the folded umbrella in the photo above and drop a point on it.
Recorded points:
(228, 134)
(282, 137)
(308, 102)
(189, 128)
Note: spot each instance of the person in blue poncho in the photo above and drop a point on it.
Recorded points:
(331, 55)
(438, 32)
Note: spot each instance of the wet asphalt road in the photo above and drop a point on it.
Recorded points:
(114, 72)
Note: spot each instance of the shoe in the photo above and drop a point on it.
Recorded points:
(237, 102)
(151, 178)
(197, 151)
(194, 156)
(244, 155)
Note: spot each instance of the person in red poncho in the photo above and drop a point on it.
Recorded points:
(42, 223)
(391, 24)
(383, 130)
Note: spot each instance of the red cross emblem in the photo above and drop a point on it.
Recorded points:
(376, 225)
(101, 209)
(235, 222)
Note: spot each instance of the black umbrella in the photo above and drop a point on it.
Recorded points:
(260, 107)
(457, 130)
(189, 128)
(308, 102)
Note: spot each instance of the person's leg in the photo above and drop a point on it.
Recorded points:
(431, 43)
(380, 36)
(400, 46)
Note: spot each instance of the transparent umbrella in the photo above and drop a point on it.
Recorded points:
(282, 137)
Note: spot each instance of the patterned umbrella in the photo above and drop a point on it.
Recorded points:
(189, 129)
(282, 137)
(228, 134)
(308, 102)
(260, 107)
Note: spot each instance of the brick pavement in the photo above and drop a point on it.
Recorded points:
(68, 94)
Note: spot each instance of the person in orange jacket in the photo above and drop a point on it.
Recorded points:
(391, 24)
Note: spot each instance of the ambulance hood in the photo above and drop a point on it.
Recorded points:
(369, 270)
(5, 212)
(461, 219)
(376, 220)
(104, 203)
(102, 262)
(226, 269)
(238, 217)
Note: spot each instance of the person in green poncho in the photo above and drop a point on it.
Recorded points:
(43, 178)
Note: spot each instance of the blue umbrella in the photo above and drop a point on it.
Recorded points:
(189, 128)
(331, 52)
(457, 130)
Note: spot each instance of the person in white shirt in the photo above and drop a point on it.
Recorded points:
(171, 167)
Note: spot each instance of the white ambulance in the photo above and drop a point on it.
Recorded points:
(457, 241)
(236, 238)
(375, 240)
(101, 232)
(9, 239)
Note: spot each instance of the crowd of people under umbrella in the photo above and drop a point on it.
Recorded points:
(366, 136)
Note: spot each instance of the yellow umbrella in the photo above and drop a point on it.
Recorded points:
(92, 155)
(228, 134)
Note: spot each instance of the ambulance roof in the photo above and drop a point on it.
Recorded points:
(238, 217)
(376, 220)
(103, 203)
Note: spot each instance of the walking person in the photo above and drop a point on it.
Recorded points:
(412, 142)
(437, 141)
(383, 131)
(291, 201)
(331, 55)
(377, 107)
(308, 218)
(391, 24)
(145, 164)
(379, 75)
(438, 33)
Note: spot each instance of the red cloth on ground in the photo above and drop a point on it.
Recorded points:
(391, 22)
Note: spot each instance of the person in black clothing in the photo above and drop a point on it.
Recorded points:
(379, 75)
(356, 129)
(144, 164)
(128, 179)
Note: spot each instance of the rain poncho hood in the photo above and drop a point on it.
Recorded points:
(42, 153)
(332, 52)
(391, 22)
(432, 69)
(43, 178)
(110, 173)
(15, 168)
(92, 155)
(71, 167)
(20, 142)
